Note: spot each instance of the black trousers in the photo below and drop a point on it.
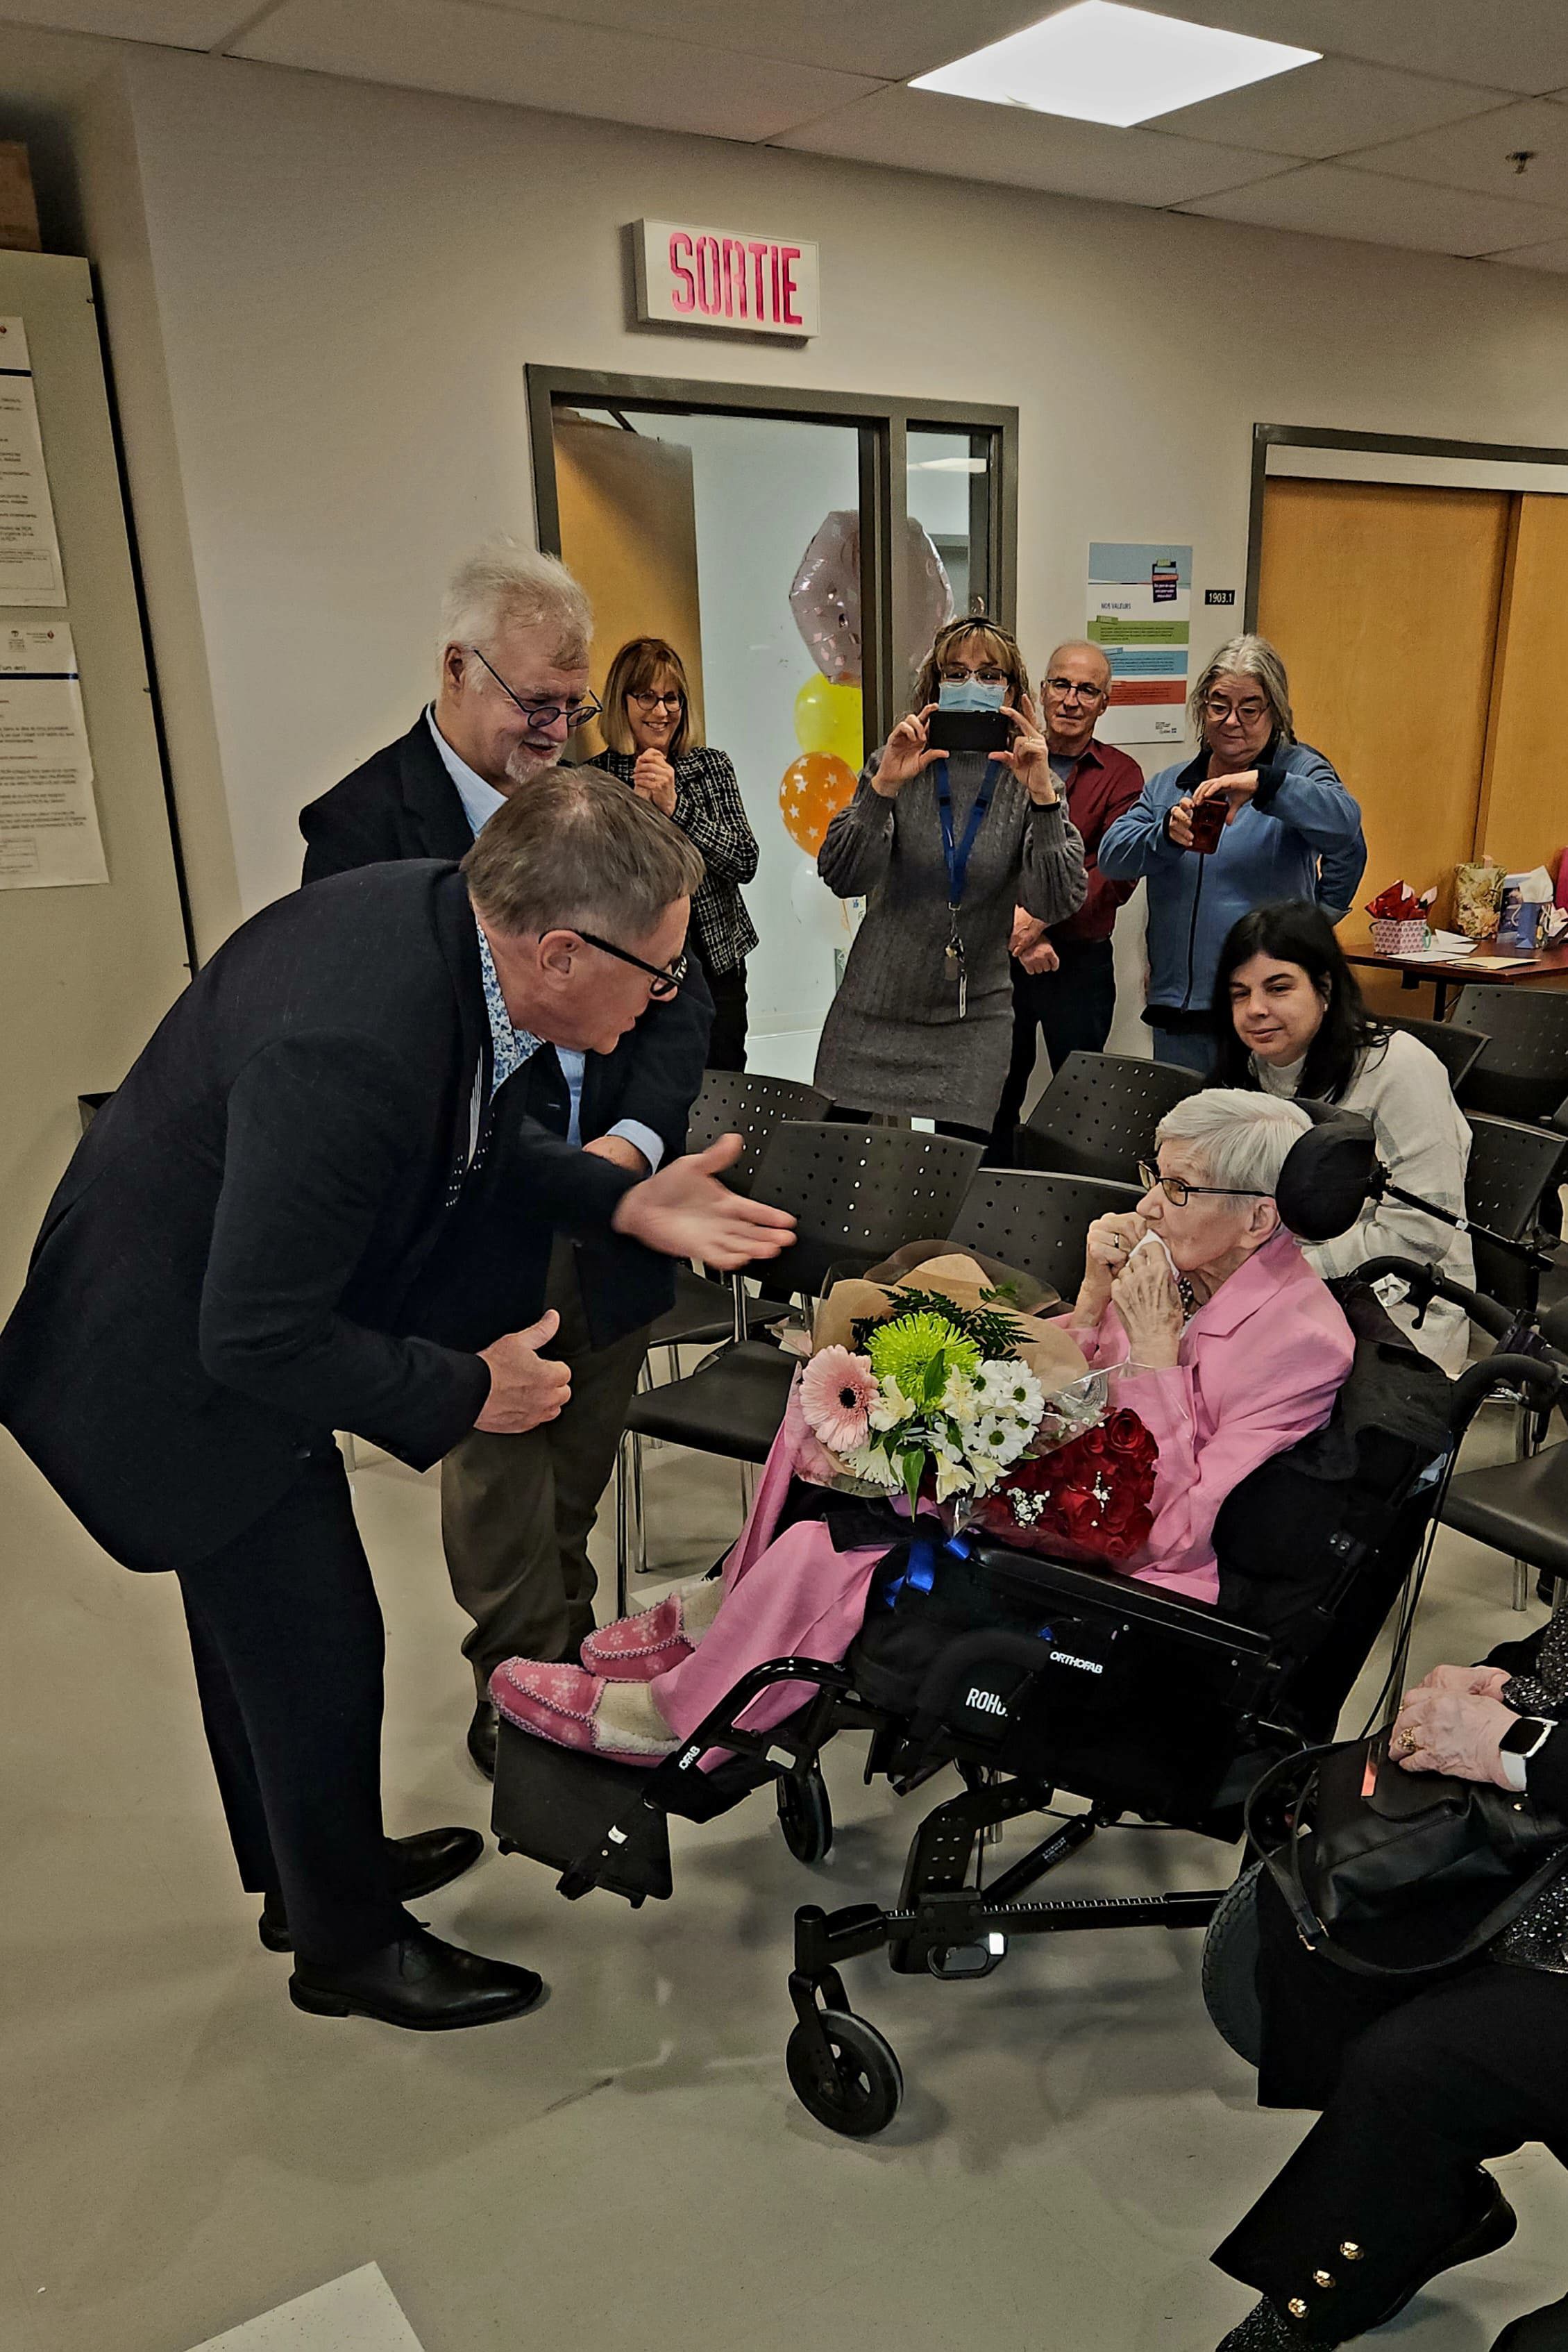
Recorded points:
(1418, 2084)
(726, 1041)
(1072, 1009)
(287, 1633)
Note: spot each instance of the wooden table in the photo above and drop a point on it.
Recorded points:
(1497, 968)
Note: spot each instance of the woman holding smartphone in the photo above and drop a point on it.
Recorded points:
(1254, 818)
(944, 841)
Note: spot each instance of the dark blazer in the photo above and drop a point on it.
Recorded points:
(271, 1232)
(403, 803)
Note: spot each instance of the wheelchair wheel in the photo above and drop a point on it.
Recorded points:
(861, 2094)
(805, 1816)
(1231, 1968)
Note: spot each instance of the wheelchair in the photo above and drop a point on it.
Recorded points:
(1033, 1677)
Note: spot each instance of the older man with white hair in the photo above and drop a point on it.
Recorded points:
(517, 1509)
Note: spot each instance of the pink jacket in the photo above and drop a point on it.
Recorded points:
(1260, 1365)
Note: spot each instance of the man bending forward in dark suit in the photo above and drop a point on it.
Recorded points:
(517, 1511)
(318, 1202)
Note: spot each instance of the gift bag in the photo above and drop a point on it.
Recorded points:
(1478, 894)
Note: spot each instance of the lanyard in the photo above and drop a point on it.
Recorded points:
(956, 859)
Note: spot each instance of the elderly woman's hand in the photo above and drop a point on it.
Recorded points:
(1146, 1297)
(1474, 1681)
(1030, 755)
(904, 754)
(1108, 1246)
(1441, 1729)
(1178, 822)
(1236, 789)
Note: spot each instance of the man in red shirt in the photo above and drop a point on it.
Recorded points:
(1063, 979)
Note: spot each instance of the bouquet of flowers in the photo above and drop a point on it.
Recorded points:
(1089, 1498)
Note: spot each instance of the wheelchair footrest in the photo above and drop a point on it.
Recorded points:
(565, 1809)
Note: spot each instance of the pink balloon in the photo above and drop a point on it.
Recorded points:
(825, 593)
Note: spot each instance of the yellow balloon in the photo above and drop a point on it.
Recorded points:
(828, 718)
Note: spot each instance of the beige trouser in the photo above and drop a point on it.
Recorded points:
(517, 1511)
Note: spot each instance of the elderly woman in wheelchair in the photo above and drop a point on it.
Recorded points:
(1220, 1338)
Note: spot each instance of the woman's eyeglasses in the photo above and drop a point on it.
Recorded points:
(953, 674)
(1219, 710)
(666, 982)
(658, 701)
(1178, 1191)
(544, 714)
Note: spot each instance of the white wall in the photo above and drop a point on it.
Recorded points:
(349, 282)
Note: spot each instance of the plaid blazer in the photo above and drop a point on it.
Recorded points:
(710, 813)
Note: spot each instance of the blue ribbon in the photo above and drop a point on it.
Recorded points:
(920, 1567)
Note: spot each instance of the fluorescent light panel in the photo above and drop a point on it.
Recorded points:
(1104, 63)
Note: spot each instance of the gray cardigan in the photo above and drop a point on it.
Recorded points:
(892, 1040)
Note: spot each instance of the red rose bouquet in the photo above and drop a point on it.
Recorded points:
(1088, 1499)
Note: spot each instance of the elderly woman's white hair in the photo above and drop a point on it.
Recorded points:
(1254, 659)
(503, 586)
(1242, 1138)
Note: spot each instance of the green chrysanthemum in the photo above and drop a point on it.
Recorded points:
(919, 1351)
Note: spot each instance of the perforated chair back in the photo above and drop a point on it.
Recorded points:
(1098, 1116)
(1523, 1074)
(737, 1102)
(1457, 1049)
(1038, 1223)
(857, 1193)
(1511, 1166)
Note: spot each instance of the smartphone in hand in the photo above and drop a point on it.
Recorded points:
(969, 730)
(1208, 821)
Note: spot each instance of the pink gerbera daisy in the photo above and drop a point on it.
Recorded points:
(837, 1392)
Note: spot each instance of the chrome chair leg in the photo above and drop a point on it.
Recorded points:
(639, 1515)
(1521, 1584)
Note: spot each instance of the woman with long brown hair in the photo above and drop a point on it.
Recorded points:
(646, 723)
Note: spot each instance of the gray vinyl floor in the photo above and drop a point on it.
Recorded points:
(626, 2168)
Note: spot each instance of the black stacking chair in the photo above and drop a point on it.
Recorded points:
(1513, 1166)
(1524, 1073)
(1098, 1116)
(732, 1102)
(1038, 1223)
(856, 1193)
(1458, 1050)
(1520, 1508)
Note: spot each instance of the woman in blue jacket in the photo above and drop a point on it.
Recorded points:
(1291, 831)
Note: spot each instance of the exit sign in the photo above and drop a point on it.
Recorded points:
(733, 279)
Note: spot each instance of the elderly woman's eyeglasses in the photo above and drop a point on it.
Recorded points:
(665, 984)
(1178, 1191)
(1216, 708)
(544, 714)
(676, 701)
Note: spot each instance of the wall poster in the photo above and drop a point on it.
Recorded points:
(30, 570)
(48, 821)
(1140, 606)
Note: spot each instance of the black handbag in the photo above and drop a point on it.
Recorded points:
(1378, 1864)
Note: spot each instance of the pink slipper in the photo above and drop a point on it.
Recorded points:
(561, 1704)
(635, 1649)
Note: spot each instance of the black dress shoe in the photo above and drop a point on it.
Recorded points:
(418, 1982)
(1492, 2224)
(482, 1738)
(421, 1864)
(1545, 2330)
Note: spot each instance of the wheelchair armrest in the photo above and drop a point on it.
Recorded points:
(1425, 1283)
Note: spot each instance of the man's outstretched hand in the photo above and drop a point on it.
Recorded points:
(685, 1212)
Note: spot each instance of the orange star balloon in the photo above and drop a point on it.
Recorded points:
(811, 791)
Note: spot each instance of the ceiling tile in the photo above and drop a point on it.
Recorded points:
(1475, 154)
(489, 52)
(1538, 257)
(180, 24)
(891, 42)
(1331, 200)
(925, 131)
(1329, 109)
(1517, 45)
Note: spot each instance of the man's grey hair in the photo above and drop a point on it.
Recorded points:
(578, 851)
(1254, 659)
(1080, 646)
(503, 586)
(1241, 1137)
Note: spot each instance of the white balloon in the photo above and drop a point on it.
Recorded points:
(819, 913)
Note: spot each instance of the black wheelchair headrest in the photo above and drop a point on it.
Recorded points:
(1330, 1173)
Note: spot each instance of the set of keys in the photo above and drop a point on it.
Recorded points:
(953, 956)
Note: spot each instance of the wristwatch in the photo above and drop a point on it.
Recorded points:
(1519, 1742)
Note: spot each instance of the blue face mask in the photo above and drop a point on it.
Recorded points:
(969, 694)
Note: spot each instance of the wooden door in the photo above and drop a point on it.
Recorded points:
(629, 533)
(1384, 600)
(1523, 819)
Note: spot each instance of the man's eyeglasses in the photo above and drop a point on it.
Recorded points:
(1178, 1191)
(1219, 709)
(544, 714)
(665, 982)
(1066, 686)
(658, 701)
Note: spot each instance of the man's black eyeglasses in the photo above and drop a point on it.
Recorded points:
(665, 984)
(545, 714)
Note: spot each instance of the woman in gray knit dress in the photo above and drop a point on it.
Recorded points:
(915, 1030)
